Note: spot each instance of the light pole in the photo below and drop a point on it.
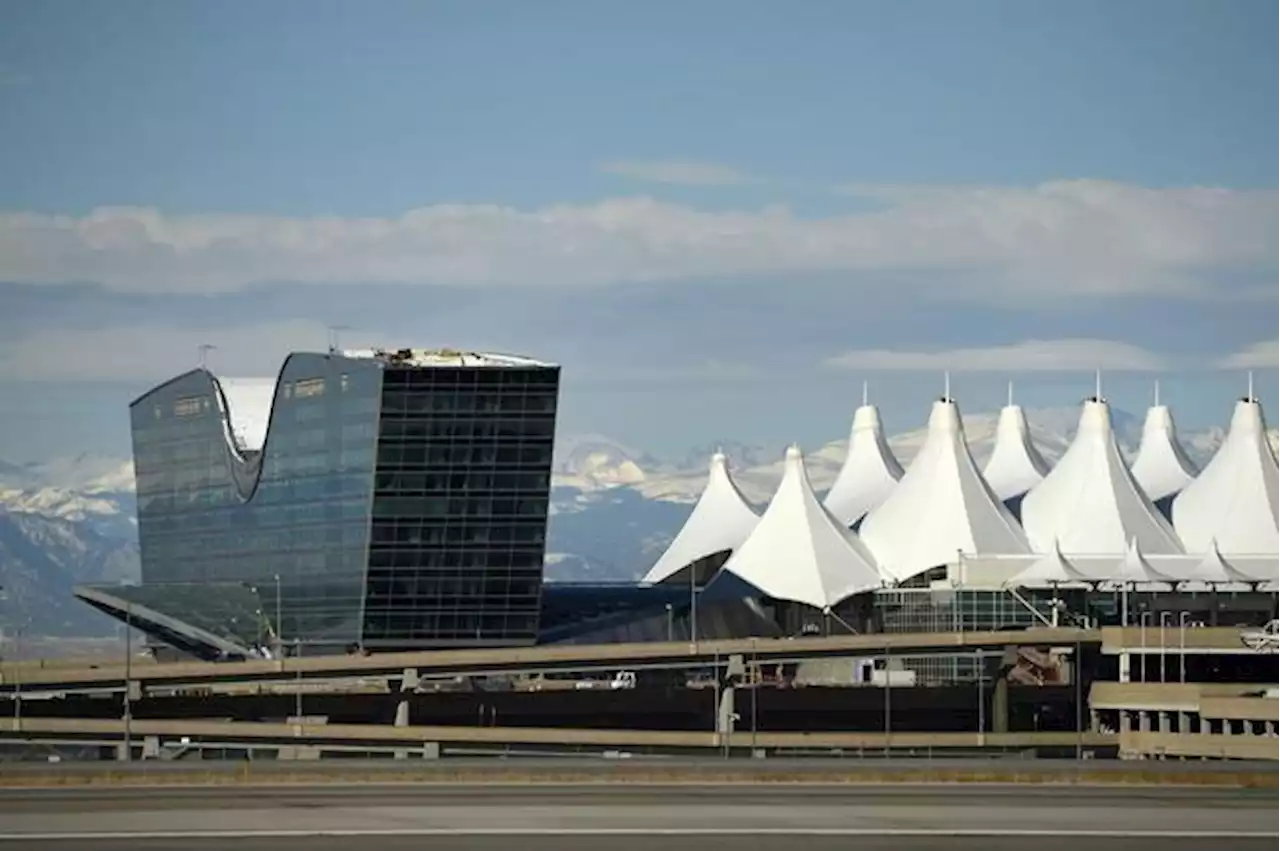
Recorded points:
(1183, 617)
(1163, 617)
(297, 690)
(670, 623)
(1078, 675)
(982, 709)
(693, 605)
(128, 681)
(278, 628)
(888, 708)
(1142, 634)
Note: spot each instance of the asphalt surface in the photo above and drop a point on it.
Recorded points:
(742, 818)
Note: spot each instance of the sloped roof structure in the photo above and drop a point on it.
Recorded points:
(869, 472)
(1234, 499)
(1015, 466)
(1162, 468)
(721, 520)
(942, 506)
(799, 551)
(1136, 572)
(1051, 571)
(1213, 569)
(1089, 504)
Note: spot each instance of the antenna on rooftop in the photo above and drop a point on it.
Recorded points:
(204, 349)
(864, 393)
(1010, 403)
(334, 331)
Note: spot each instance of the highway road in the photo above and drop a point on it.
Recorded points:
(645, 818)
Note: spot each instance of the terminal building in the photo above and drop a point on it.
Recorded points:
(373, 499)
(399, 500)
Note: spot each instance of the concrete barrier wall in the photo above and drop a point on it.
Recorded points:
(1212, 746)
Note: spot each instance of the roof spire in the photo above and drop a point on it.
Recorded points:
(1157, 393)
(1097, 385)
(864, 392)
(1251, 399)
(946, 385)
(1010, 402)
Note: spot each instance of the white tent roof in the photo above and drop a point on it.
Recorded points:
(1134, 570)
(870, 470)
(942, 506)
(1050, 571)
(1089, 503)
(1015, 466)
(1213, 569)
(1234, 499)
(800, 552)
(1162, 467)
(721, 520)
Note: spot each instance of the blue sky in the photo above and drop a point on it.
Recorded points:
(716, 215)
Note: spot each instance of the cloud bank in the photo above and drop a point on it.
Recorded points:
(1261, 355)
(1057, 240)
(1072, 355)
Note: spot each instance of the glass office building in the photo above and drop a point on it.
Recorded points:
(373, 498)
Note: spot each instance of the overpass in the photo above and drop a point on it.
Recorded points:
(526, 660)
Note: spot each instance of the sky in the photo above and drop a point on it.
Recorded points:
(720, 218)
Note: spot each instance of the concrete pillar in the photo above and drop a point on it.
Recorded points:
(1205, 727)
(1184, 722)
(1125, 659)
(409, 679)
(1095, 722)
(151, 747)
(724, 724)
(1162, 719)
(123, 752)
(1226, 726)
(430, 750)
(1126, 721)
(402, 714)
(1144, 721)
(1268, 728)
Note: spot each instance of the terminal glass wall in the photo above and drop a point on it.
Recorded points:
(290, 520)
(460, 506)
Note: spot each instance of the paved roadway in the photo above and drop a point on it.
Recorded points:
(645, 818)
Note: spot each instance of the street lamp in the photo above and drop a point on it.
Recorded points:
(1163, 617)
(1183, 617)
(670, 623)
(1142, 638)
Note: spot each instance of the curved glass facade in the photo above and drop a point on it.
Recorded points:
(389, 505)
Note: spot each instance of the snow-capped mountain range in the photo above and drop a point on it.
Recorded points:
(614, 507)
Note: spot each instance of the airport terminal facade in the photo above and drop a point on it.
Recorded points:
(376, 499)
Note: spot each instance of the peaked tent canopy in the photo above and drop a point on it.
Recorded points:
(1089, 504)
(1135, 571)
(1234, 499)
(799, 552)
(941, 507)
(1015, 466)
(720, 521)
(1213, 569)
(1051, 570)
(870, 469)
(1162, 468)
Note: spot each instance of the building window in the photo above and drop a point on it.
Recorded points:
(187, 407)
(305, 387)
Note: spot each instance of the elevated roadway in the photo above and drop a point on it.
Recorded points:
(531, 660)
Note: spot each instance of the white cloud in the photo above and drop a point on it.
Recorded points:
(679, 172)
(1076, 239)
(1261, 355)
(157, 352)
(1029, 356)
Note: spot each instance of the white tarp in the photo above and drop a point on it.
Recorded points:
(721, 520)
(799, 551)
(870, 470)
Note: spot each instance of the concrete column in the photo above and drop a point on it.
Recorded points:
(724, 724)
(1126, 721)
(1268, 728)
(1226, 726)
(1184, 722)
(402, 714)
(1162, 719)
(1125, 660)
(1144, 721)
(151, 747)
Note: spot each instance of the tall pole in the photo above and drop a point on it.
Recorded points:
(17, 674)
(755, 691)
(278, 627)
(1182, 646)
(888, 708)
(1163, 615)
(693, 604)
(1142, 637)
(982, 709)
(128, 682)
(1078, 675)
(297, 690)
